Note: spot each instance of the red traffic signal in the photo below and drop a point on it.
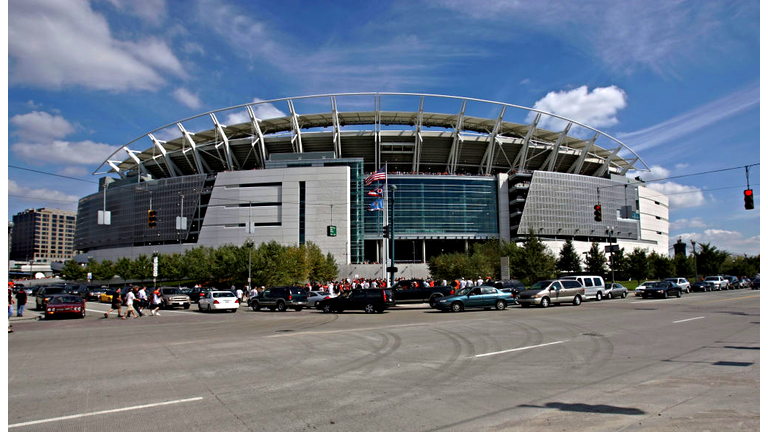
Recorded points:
(598, 213)
(749, 199)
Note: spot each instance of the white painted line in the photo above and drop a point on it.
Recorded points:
(520, 349)
(651, 301)
(75, 416)
(689, 319)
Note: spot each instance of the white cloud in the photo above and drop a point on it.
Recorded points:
(152, 11)
(187, 98)
(39, 126)
(680, 196)
(261, 111)
(597, 108)
(681, 166)
(193, 48)
(58, 199)
(74, 171)
(696, 222)
(656, 172)
(685, 124)
(32, 105)
(63, 152)
(41, 37)
(526, 81)
(732, 241)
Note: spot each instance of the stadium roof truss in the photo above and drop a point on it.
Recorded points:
(461, 144)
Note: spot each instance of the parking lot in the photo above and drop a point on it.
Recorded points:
(624, 364)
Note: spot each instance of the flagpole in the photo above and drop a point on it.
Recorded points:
(384, 240)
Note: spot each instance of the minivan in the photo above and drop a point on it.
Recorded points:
(594, 286)
(546, 292)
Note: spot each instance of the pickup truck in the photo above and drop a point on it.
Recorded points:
(419, 292)
(719, 282)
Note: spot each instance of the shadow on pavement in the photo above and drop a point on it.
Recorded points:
(581, 407)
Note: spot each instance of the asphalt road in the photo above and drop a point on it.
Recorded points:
(625, 364)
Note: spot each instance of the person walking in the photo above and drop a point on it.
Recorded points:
(21, 301)
(142, 300)
(129, 298)
(117, 303)
(239, 293)
(156, 300)
(10, 309)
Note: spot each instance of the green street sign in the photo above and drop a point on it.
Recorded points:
(331, 230)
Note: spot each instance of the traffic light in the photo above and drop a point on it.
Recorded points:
(749, 199)
(151, 218)
(598, 213)
(385, 231)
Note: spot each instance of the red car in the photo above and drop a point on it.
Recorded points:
(65, 305)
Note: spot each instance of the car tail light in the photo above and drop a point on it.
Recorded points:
(326, 297)
(237, 300)
(384, 293)
(451, 291)
(215, 302)
(290, 297)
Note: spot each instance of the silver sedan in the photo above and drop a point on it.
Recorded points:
(614, 290)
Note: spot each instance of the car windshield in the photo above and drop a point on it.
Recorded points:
(539, 285)
(223, 294)
(711, 278)
(54, 291)
(171, 291)
(66, 299)
(464, 292)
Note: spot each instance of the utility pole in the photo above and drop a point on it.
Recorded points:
(613, 263)
(392, 234)
(695, 265)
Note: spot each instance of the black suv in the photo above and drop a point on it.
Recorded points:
(44, 294)
(513, 286)
(369, 300)
(280, 298)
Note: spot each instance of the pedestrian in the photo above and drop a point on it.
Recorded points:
(10, 309)
(129, 298)
(239, 293)
(156, 300)
(142, 300)
(116, 304)
(21, 301)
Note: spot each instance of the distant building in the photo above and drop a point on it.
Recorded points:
(680, 247)
(43, 235)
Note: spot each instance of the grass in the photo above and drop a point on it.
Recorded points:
(630, 285)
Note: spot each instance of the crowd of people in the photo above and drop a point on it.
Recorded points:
(136, 302)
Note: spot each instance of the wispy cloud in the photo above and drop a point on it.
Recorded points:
(152, 11)
(261, 111)
(726, 240)
(685, 124)
(187, 98)
(61, 199)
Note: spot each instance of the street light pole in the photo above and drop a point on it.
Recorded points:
(695, 266)
(392, 233)
(250, 245)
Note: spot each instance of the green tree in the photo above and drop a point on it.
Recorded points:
(661, 266)
(569, 260)
(709, 259)
(124, 268)
(228, 265)
(448, 266)
(199, 262)
(638, 267)
(142, 268)
(103, 270)
(533, 262)
(595, 260)
(73, 271)
(271, 263)
(321, 268)
(684, 266)
(620, 265)
(171, 267)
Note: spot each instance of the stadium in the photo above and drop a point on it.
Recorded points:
(460, 170)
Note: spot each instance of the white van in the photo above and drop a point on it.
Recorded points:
(594, 286)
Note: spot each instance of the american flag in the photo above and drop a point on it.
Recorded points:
(381, 174)
(376, 192)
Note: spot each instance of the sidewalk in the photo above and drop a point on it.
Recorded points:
(29, 315)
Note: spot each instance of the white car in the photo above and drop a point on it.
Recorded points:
(218, 300)
(639, 290)
(315, 296)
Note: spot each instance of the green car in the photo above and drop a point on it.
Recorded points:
(485, 297)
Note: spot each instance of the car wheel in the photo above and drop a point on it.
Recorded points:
(544, 302)
(186, 306)
(369, 309)
(433, 301)
(609, 296)
(234, 310)
(281, 307)
(501, 305)
(298, 309)
(327, 309)
(645, 296)
(624, 294)
(457, 307)
(255, 306)
(679, 293)
(199, 307)
(209, 308)
(666, 295)
(599, 296)
(577, 300)
(82, 313)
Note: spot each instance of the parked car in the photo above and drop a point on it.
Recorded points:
(106, 297)
(681, 282)
(663, 289)
(641, 288)
(44, 295)
(368, 300)
(416, 291)
(733, 282)
(195, 294)
(172, 297)
(218, 300)
(703, 286)
(91, 292)
(745, 282)
(513, 286)
(756, 283)
(280, 299)
(485, 297)
(65, 305)
(594, 286)
(314, 296)
(546, 292)
(718, 281)
(614, 290)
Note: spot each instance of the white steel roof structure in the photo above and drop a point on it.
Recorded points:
(458, 144)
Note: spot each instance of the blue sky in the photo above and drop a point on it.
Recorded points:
(677, 81)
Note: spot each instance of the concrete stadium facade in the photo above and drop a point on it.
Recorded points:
(461, 178)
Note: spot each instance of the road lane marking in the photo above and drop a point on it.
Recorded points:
(75, 416)
(729, 299)
(650, 301)
(684, 320)
(520, 349)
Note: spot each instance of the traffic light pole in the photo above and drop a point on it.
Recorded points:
(613, 262)
(392, 233)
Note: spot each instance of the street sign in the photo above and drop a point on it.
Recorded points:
(104, 218)
(504, 262)
(181, 223)
(612, 248)
(90, 275)
(331, 230)
(154, 267)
